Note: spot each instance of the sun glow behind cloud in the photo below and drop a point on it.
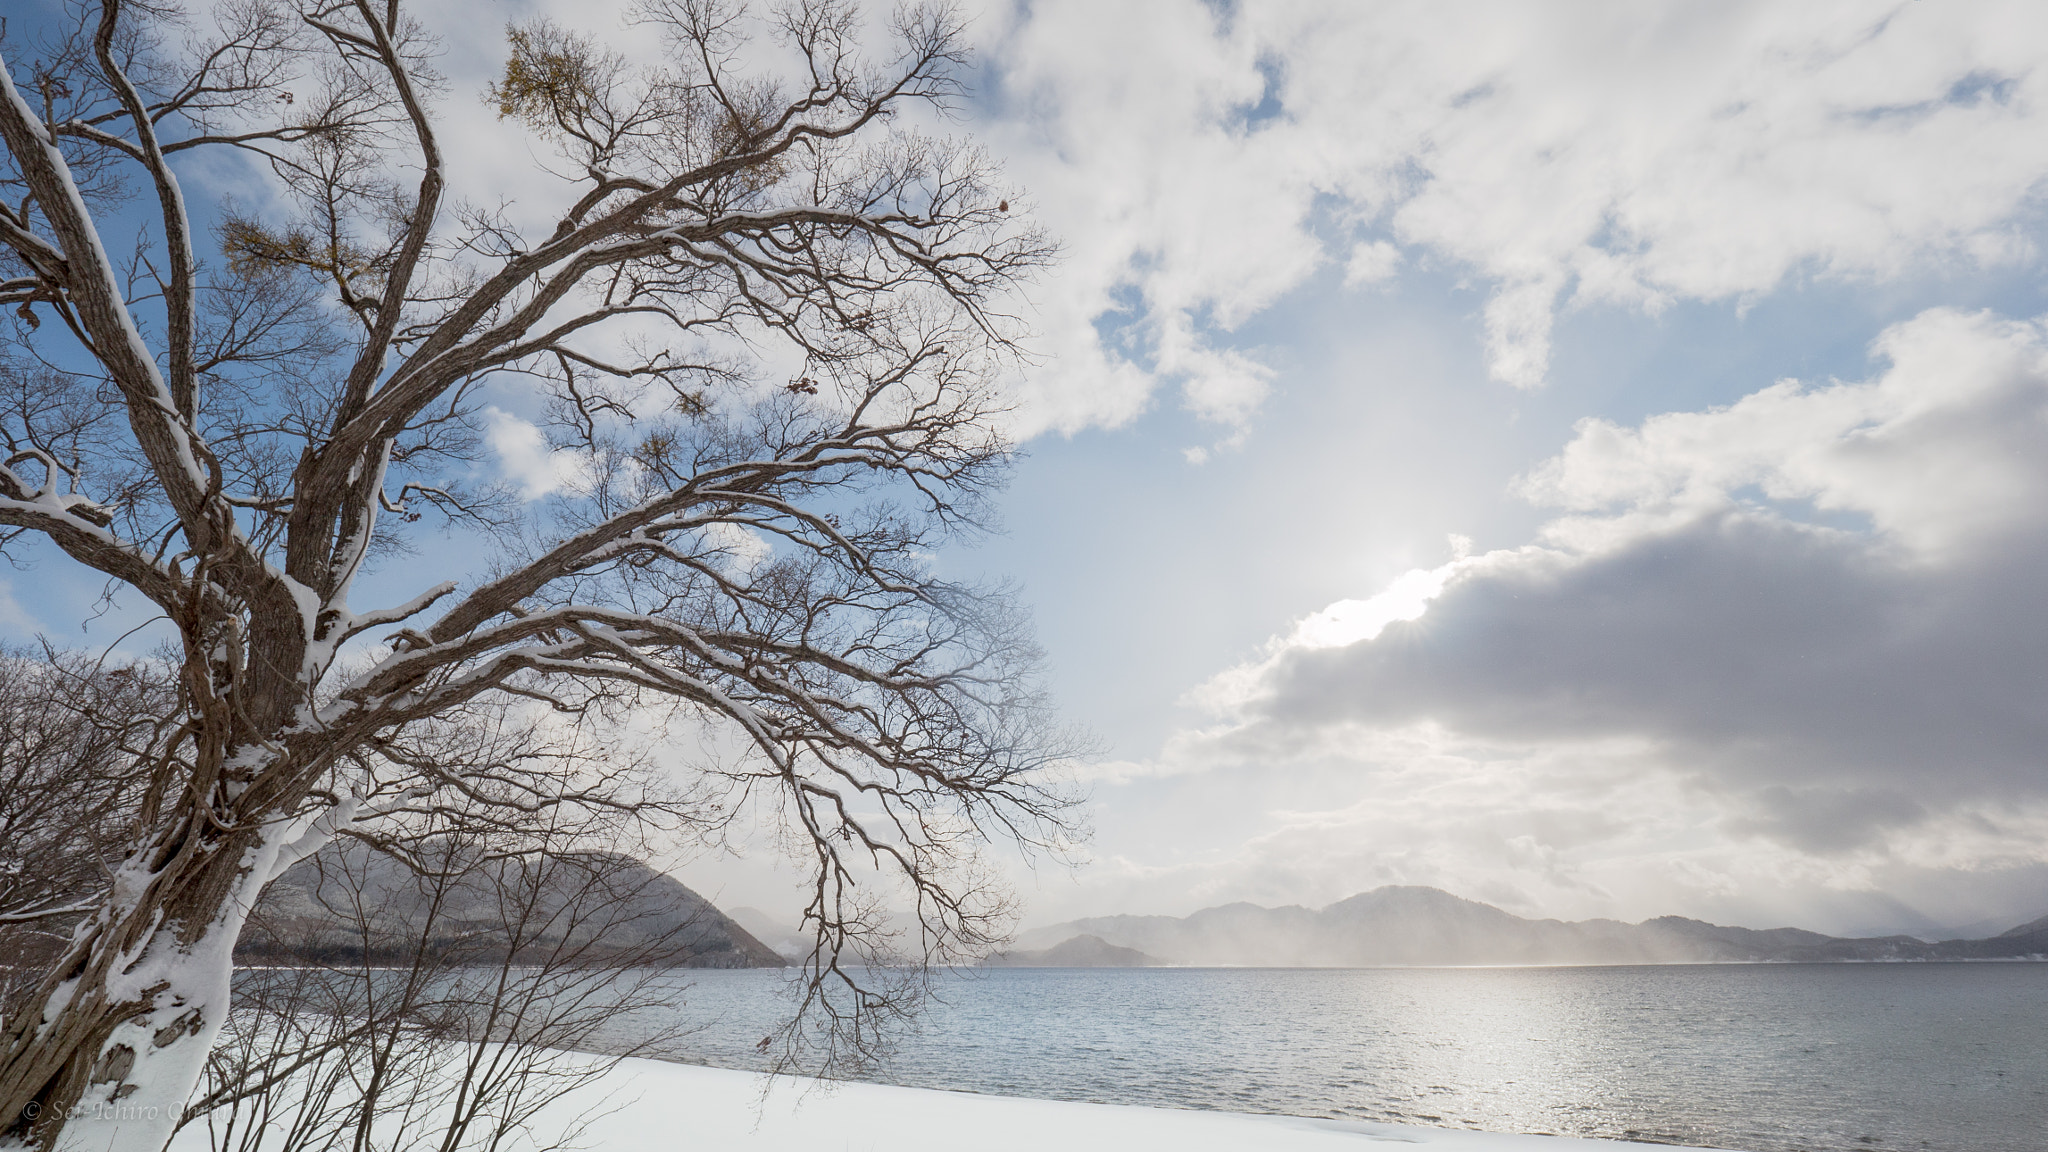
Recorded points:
(1688, 686)
(1351, 621)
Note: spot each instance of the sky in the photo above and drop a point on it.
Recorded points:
(1589, 458)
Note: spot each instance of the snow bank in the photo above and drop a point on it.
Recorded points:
(661, 1107)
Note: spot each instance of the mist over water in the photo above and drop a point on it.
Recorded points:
(1769, 1058)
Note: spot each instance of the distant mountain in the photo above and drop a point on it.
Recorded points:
(2030, 928)
(1402, 925)
(785, 940)
(644, 917)
(1079, 952)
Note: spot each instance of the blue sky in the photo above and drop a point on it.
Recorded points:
(1344, 282)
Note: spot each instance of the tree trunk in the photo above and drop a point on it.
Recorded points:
(106, 1054)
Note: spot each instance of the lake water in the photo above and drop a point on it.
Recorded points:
(1768, 1058)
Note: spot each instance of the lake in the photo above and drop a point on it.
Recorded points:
(1769, 1058)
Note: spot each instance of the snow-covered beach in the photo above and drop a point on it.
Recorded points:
(654, 1106)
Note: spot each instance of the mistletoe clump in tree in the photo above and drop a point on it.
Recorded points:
(763, 320)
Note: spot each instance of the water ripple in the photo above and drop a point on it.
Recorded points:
(1771, 1058)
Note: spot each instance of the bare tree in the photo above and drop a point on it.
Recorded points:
(67, 777)
(467, 985)
(764, 316)
(68, 787)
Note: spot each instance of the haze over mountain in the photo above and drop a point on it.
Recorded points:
(1407, 925)
(784, 938)
(1078, 952)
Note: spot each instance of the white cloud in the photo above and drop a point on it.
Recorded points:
(525, 458)
(1371, 262)
(1220, 385)
(1632, 155)
(741, 548)
(1941, 452)
(1123, 124)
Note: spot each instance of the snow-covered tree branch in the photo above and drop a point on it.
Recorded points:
(759, 328)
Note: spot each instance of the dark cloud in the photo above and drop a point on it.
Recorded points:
(1843, 689)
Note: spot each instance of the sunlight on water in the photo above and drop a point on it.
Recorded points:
(1770, 1058)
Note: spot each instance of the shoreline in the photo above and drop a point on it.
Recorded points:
(647, 1102)
(2032, 958)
